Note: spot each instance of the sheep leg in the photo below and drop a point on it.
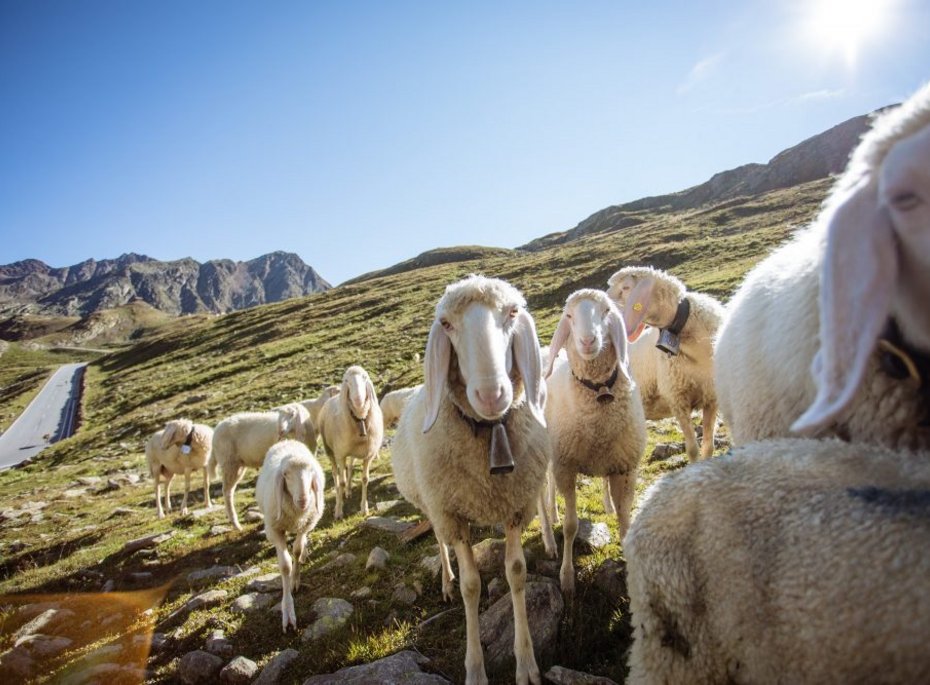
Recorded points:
(609, 507)
(447, 575)
(158, 507)
(569, 529)
(187, 489)
(206, 487)
(545, 525)
(288, 615)
(350, 464)
(299, 549)
(366, 464)
(167, 492)
(231, 477)
(550, 499)
(515, 564)
(709, 422)
(339, 475)
(470, 586)
(622, 491)
(684, 420)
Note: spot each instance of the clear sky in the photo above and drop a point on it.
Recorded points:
(359, 134)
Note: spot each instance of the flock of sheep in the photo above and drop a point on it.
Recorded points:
(791, 559)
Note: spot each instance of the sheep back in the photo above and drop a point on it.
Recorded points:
(245, 438)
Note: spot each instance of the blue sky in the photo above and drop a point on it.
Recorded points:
(358, 134)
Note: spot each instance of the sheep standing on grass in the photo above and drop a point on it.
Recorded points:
(243, 440)
(393, 403)
(593, 412)
(787, 561)
(180, 447)
(472, 446)
(831, 334)
(678, 381)
(290, 491)
(351, 426)
(314, 406)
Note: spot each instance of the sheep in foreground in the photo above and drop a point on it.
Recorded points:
(180, 447)
(671, 384)
(314, 406)
(243, 440)
(290, 494)
(351, 426)
(593, 412)
(472, 446)
(830, 335)
(787, 561)
(393, 403)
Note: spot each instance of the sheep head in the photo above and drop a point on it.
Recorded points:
(175, 432)
(297, 481)
(877, 256)
(358, 392)
(485, 324)
(647, 296)
(590, 319)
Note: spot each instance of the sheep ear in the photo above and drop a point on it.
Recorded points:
(317, 486)
(167, 437)
(636, 306)
(859, 271)
(372, 396)
(529, 362)
(559, 338)
(280, 489)
(435, 371)
(617, 333)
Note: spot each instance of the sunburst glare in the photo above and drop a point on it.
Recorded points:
(845, 28)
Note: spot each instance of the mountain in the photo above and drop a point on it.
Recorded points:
(440, 255)
(184, 286)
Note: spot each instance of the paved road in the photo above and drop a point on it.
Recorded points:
(48, 418)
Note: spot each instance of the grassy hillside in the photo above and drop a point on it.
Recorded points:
(257, 358)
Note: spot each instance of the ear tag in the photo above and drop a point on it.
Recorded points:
(604, 396)
(185, 449)
(638, 307)
(362, 430)
(669, 342)
(500, 456)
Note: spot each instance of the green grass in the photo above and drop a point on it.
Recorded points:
(209, 367)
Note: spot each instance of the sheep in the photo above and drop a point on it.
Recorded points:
(243, 440)
(351, 426)
(180, 447)
(830, 335)
(314, 406)
(675, 382)
(393, 403)
(290, 493)
(786, 561)
(593, 411)
(472, 447)
(304, 428)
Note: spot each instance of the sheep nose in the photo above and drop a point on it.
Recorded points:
(492, 396)
(588, 340)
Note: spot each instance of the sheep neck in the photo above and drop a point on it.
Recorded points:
(598, 370)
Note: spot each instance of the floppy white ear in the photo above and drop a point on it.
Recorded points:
(617, 333)
(317, 486)
(167, 436)
(527, 357)
(370, 389)
(559, 338)
(280, 491)
(435, 371)
(636, 306)
(859, 272)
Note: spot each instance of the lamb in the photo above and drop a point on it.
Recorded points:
(594, 412)
(351, 426)
(243, 440)
(786, 561)
(830, 335)
(180, 447)
(677, 381)
(314, 406)
(393, 403)
(289, 492)
(472, 447)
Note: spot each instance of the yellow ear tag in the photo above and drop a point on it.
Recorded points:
(638, 307)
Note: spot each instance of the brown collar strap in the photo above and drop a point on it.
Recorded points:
(901, 361)
(500, 457)
(362, 428)
(681, 317)
(603, 390)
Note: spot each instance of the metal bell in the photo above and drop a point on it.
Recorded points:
(500, 456)
(669, 342)
(362, 429)
(604, 396)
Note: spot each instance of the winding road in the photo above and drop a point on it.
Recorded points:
(48, 418)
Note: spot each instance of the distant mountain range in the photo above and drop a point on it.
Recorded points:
(184, 286)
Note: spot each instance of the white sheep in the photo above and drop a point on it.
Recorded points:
(314, 406)
(393, 403)
(243, 440)
(830, 335)
(786, 561)
(471, 446)
(304, 429)
(671, 384)
(351, 426)
(593, 412)
(180, 447)
(290, 494)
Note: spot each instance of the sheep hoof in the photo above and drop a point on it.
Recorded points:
(184, 511)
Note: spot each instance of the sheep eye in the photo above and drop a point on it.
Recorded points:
(445, 324)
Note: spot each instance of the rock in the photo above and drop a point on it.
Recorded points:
(218, 529)
(209, 576)
(610, 578)
(664, 450)
(89, 480)
(33, 506)
(559, 675)
(404, 594)
(548, 567)
(377, 559)
(16, 546)
(123, 511)
(489, 556)
(202, 512)
(332, 614)
(18, 662)
(204, 599)
(544, 607)
(403, 667)
(249, 572)
(239, 671)
(199, 667)
(109, 585)
(496, 589)
(387, 504)
(218, 644)
(270, 582)
(254, 517)
(72, 493)
(432, 565)
(388, 524)
(158, 642)
(343, 559)
(140, 577)
(362, 593)
(252, 601)
(592, 536)
(43, 646)
(42, 623)
(271, 674)
(147, 541)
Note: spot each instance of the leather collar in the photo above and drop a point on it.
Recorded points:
(591, 385)
(681, 317)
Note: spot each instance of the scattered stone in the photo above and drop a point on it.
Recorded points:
(377, 559)
(43, 646)
(123, 511)
(664, 450)
(158, 642)
(218, 530)
(18, 662)
(332, 614)
(71, 493)
(418, 586)
(140, 577)
(432, 565)
(218, 644)
(544, 607)
(45, 622)
(209, 576)
(270, 582)
(37, 517)
(109, 585)
(404, 594)
(199, 667)
(592, 536)
(204, 599)
(388, 524)
(147, 541)
(489, 556)
(254, 517)
(362, 592)
(403, 667)
(610, 578)
(387, 504)
(343, 559)
(252, 601)
(33, 506)
(239, 671)
(548, 567)
(271, 674)
(496, 589)
(202, 512)
(16, 546)
(249, 572)
(559, 675)
(89, 480)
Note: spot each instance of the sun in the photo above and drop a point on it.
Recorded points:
(844, 28)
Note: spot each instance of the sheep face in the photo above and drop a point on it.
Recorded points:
(296, 482)
(176, 432)
(358, 391)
